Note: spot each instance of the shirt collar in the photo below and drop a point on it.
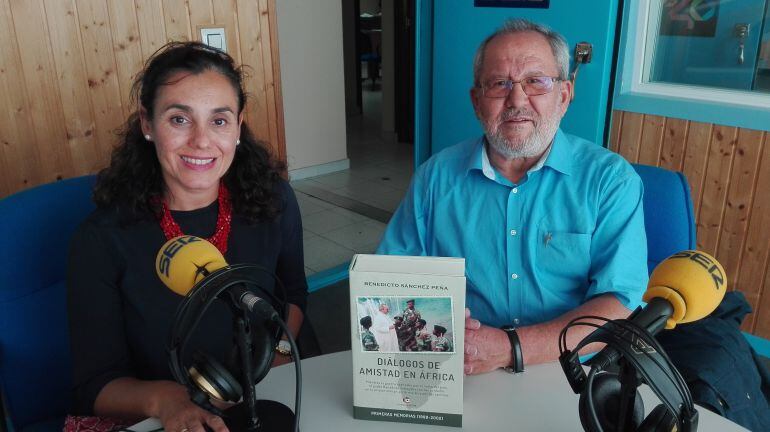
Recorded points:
(557, 156)
(560, 154)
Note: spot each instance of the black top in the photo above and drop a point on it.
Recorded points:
(120, 312)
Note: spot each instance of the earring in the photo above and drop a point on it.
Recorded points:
(148, 137)
(237, 142)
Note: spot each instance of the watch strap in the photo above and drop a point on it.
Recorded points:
(283, 347)
(516, 355)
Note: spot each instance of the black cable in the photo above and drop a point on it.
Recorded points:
(297, 371)
(591, 406)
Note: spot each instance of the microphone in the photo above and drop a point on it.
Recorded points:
(184, 261)
(685, 287)
(194, 268)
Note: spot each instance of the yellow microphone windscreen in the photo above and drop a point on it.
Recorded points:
(185, 260)
(693, 281)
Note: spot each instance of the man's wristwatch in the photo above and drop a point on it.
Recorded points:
(283, 347)
(516, 355)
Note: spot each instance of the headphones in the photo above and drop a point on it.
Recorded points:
(206, 377)
(642, 360)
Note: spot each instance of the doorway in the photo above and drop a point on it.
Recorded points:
(346, 212)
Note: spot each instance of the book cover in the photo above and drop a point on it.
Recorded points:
(407, 334)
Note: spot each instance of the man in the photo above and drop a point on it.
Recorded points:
(422, 336)
(367, 338)
(384, 329)
(411, 315)
(406, 341)
(551, 226)
(441, 343)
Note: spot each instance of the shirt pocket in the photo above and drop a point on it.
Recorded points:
(563, 259)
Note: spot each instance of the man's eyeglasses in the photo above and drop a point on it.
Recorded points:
(532, 86)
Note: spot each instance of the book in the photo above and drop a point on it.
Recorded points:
(407, 333)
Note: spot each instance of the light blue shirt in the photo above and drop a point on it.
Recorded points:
(570, 230)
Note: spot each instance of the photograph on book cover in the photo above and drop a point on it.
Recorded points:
(405, 324)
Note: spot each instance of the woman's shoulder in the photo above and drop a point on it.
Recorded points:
(106, 220)
(286, 196)
(101, 218)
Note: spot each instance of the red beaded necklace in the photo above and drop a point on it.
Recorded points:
(222, 231)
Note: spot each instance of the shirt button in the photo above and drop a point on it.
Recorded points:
(516, 321)
(514, 276)
(513, 232)
(515, 190)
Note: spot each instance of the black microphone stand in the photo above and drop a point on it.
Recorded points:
(629, 382)
(244, 417)
(243, 336)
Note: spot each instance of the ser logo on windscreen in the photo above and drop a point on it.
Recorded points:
(171, 250)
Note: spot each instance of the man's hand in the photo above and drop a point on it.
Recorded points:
(486, 348)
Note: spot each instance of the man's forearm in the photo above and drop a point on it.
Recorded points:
(540, 342)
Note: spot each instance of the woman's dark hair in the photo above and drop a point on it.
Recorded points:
(133, 181)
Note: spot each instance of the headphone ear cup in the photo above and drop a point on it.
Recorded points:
(660, 419)
(263, 340)
(214, 379)
(263, 344)
(606, 397)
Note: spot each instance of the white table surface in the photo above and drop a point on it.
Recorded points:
(538, 400)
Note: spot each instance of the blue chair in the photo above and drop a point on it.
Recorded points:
(669, 219)
(36, 228)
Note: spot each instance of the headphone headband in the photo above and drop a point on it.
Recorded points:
(192, 308)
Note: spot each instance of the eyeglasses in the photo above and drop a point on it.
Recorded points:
(532, 86)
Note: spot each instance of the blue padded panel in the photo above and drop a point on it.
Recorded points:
(36, 228)
(760, 345)
(668, 214)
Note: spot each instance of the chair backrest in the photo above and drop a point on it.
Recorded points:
(669, 220)
(35, 227)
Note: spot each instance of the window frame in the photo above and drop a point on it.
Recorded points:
(635, 93)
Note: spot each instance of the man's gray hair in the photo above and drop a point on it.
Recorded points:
(518, 25)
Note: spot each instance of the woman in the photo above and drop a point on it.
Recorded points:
(187, 163)
(385, 330)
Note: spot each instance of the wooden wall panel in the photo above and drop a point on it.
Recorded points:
(630, 136)
(152, 30)
(73, 88)
(102, 74)
(762, 325)
(696, 156)
(19, 160)
(672, 148)
(729, 174)
(267, 67)
(66, 69)
(43, 101)
(127, 48)
(715, 183)
(177, 20)
(617, 126)
(200, 13)
(748, 149)
(226, 13)
(652, 139)
(251, 53)
(274, 92)
(756, 250)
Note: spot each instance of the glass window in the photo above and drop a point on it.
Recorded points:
(710, 43)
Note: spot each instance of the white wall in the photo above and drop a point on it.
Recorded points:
(312, 81)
